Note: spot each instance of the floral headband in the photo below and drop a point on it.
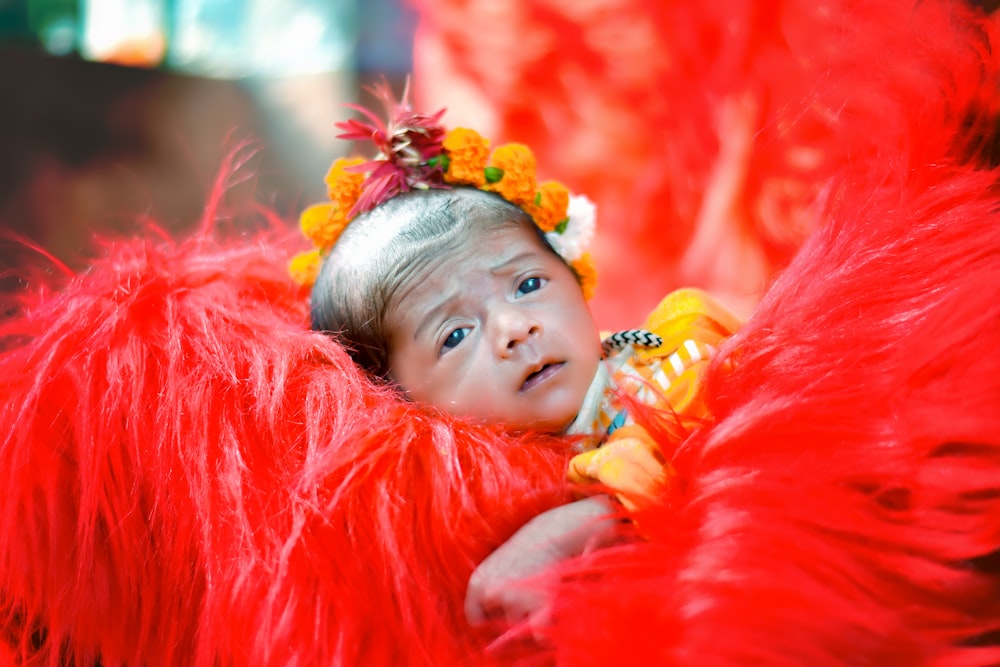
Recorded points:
(417, 153)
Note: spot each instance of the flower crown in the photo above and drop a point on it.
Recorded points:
(417, 153)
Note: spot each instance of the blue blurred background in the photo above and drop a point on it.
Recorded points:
(114, 109)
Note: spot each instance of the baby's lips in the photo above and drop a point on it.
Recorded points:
(538, 369)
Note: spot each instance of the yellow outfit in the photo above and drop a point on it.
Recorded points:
(667, 376)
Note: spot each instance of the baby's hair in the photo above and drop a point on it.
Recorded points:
(381, 251)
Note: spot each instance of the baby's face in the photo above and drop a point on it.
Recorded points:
(499, 332)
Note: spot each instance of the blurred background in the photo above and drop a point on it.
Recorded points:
(703, 131)
(115, 111)
(118, 109)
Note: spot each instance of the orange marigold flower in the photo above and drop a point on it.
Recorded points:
(323, 223)
(586, 271)
(548, 208)
(304, 267)
(342, 186)
(468, 151)
(517, 163)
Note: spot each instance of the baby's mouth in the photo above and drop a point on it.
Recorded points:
(540, 375)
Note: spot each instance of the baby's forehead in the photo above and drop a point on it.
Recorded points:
(491, 252)
(487, 248)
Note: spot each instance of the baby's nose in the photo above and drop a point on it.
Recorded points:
(514, 327)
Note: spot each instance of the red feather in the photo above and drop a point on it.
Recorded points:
(405, 142)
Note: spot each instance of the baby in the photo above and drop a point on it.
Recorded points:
(455, 297)
(451, 278)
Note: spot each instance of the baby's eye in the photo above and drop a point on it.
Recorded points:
(454, 338)
(529, 285)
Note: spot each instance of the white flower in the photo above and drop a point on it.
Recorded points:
(579, 232)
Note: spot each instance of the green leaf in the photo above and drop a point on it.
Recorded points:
(493, 174)
(561, 227)
(443, 160)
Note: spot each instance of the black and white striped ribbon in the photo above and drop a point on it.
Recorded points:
(637, 337)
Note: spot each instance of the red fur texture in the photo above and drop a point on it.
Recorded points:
(191, 477)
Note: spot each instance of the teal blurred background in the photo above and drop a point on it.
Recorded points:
(116, 109)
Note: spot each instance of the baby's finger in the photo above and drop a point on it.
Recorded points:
(521, 603)
(475, 613)
(482, 607)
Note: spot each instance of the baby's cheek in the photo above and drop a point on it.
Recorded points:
(483, 404)
(459, 399)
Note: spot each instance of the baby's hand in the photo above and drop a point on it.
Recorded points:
(496, 589)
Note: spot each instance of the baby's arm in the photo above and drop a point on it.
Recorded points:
(552, 536)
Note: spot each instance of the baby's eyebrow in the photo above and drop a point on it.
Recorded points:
(433, 313)
(507, 262)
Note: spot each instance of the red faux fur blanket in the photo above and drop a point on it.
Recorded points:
(189, 476)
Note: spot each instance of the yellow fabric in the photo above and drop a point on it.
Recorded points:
(629, 462)
(689, 313)
(670, 378)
